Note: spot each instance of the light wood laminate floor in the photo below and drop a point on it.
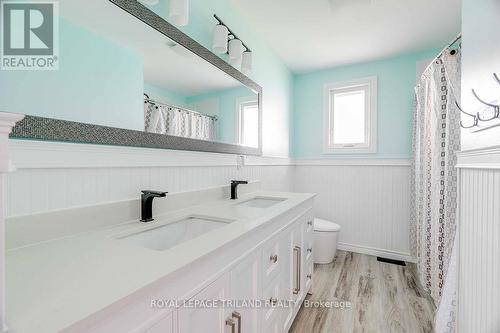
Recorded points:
(383, 298)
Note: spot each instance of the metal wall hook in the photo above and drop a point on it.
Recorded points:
(496, 78)
(496, 107)
(483, 101)
(476, 120)
(495, 116)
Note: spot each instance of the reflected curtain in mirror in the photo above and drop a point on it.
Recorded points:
(163, 119)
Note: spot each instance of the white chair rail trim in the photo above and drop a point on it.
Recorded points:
(42, 154)
(484, 158)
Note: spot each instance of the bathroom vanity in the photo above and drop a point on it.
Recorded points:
(205, 264)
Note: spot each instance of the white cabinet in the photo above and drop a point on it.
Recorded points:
(241, 284)
(165, 325)
(200, 318)
(279, 270)
(292, 276)
(246, 286)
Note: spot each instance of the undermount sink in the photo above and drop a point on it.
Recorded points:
(168, 235)
(261, 202)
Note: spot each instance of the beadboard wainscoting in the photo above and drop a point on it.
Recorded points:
(479, 290)
(369, 199)
(52, 176)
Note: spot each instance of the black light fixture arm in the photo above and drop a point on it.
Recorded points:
(231, 33)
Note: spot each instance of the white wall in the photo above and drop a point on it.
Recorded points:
(479, 287)
(371, 202)
(480, 59)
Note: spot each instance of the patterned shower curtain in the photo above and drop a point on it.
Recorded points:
(434, 185)
(163, 119)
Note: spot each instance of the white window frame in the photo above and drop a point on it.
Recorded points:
(239, 102)
(368, 84)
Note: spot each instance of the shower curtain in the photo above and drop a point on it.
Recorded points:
(163, 119)
(434, 185)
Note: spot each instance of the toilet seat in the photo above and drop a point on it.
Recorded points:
(325, 226)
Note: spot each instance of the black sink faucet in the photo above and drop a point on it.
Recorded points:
(234, 188)
(147, 204)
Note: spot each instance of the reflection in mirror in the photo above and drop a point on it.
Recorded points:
(117, 71)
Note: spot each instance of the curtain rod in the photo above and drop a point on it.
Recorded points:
(152, 101)
(443, 51)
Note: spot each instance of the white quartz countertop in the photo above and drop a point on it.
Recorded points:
(54, 284)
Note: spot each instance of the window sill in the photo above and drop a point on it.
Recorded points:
(364, 150)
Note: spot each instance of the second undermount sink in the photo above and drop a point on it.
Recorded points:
(168, 235)
(261, 202)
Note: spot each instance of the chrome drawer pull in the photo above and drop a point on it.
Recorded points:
(273, 300)
(310, 223)
(274, 258)
(310, 250)
(237, 315)
(298, 269)
(309, 276)
(232, 324)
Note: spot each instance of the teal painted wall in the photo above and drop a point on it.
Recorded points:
(269, 71)
(396, 80)
(165, 96)
(97, 82)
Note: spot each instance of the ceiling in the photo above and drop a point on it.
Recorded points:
(172, 68)
(314, 34)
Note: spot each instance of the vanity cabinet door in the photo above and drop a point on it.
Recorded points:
(207, 320)
(246, 285)
(288, 274)
(294, 273)
(165, 325)
(298, 254)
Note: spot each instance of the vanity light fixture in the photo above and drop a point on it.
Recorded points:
(179, 12)
(235, 50)
(239, 53)
(221, 34)
(246, 62)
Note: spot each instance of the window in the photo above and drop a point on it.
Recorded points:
(248, 122)
(350, 117)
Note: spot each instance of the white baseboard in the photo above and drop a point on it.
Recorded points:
(376, 252)
(403, 162)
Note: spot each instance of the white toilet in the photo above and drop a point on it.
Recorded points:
(325, 241)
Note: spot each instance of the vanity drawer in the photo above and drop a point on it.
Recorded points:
(272, 257)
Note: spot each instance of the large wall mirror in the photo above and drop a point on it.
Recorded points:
(126, 76)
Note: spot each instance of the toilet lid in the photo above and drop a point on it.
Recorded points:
(324, 225)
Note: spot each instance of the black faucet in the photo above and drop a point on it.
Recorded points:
(234, 188)
(147, 204)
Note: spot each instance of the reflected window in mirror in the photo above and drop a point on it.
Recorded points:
(248, 122)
